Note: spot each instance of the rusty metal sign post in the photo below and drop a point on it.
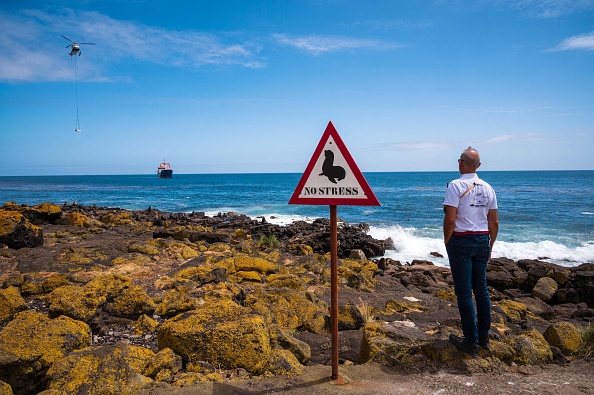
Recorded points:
(332, 178)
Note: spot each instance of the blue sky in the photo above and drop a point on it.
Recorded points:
(249, 86)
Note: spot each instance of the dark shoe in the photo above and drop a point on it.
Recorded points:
(484, 343)
(464, 346)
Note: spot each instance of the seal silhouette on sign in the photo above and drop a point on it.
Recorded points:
(329, 170)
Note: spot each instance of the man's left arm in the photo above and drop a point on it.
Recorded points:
(493, 222)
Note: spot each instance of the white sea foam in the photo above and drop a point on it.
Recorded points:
(409, 244)
(412, 243)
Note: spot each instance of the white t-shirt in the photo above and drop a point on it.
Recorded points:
(472, 207)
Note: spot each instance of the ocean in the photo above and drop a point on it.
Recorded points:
(546, 215)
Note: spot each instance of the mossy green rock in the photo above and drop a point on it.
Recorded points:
(222, 333)
(106, 370)
(32, 342)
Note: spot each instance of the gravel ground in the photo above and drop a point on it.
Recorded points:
(573, 378)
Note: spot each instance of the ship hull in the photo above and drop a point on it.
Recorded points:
(165, 173)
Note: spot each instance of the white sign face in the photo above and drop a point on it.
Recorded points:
(331, 177)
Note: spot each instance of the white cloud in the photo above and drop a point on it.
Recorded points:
(321, 44)
(548, 8)
(583, 42)
(500, 139)
(31, 48)
(418, 146)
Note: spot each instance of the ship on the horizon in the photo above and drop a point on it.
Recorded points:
(164, 170)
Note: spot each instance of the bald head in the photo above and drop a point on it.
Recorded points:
(469, 161)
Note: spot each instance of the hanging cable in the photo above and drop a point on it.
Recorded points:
(76, 85)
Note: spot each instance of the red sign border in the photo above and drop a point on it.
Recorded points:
(368, 200)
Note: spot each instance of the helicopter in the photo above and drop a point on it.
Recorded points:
(75, 46)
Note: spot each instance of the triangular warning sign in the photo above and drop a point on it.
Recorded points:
(332, 176)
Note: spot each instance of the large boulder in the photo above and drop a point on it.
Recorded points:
(288, 308)
(564, 336)
(80, 303)
(222, 333)
(106, 370)
(530, 348)
(388, 342)
(545, 289)
(5, 388)
(110, 292)
(43, 213)
(174, 302)
(32, 342)
(131, 302)
(300, 349)
(17, 232)
(503, 273)
(584, 280)
(11, 303)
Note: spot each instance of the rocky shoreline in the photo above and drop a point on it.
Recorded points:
(106, 300)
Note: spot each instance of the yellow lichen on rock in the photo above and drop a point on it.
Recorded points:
(393, 306)
(74, 301)
(144, 324)
(118, 218)
(174, 302)
(108, 285)
(446, 294)
(280, 362)
(132, 259)
(300, 249)
(249, 263)
(11, 303)
(17, 232)
(84, 256)
(222, 333)
(131, 302)
(80, 220)
(565, 336)
(530, 348)
(32, 342)
(287, 281)
(5, 388)
(165, 359)
(288, 308)
(243, 276)
(47, 208)
(144, 248)
(514, 310)
(101, 370)
(53, 282)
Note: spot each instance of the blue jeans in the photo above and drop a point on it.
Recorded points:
(468, 256)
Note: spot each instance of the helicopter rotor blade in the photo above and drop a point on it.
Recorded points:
(67, 38)
(87, 43)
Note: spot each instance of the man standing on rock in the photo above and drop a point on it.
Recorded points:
(470, 228)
